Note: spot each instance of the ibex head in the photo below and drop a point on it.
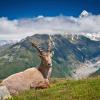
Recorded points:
(46, 56)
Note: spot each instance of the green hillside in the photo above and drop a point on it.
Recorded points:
(61, 89)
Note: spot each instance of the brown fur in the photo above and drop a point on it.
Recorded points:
(30, 78)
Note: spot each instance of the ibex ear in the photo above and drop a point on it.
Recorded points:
(51, 51)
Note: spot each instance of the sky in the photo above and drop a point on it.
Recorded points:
(21, 18)
(29, 8)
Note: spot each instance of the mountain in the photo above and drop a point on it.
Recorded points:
(71, 54)
(6, 42)
(84, 14)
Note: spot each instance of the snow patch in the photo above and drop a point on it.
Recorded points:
(85, 70)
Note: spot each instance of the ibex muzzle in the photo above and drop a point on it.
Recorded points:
(46, 59)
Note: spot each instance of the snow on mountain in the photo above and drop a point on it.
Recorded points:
(92, 36)
(86, 69)
(4, 42)
(84, 14)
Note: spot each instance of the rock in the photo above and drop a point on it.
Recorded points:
(4, 93)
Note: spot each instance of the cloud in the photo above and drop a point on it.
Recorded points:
(20, 28)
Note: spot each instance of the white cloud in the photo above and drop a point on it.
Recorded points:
(20, 28)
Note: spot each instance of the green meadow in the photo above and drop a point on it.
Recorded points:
(64, 89)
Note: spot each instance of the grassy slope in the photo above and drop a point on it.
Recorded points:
(88, 89)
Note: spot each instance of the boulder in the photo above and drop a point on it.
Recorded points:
(4, 93)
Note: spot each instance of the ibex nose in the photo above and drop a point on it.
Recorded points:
(50, 65)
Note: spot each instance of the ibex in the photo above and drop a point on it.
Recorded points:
(32, 77)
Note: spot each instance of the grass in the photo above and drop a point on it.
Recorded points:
(61, 89)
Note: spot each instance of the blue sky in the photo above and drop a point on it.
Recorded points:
(22, 18)
(14, 9)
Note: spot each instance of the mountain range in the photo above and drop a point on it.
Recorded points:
(75, 56)
(4, 42)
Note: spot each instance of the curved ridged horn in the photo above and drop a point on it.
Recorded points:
(49, 44)
(39, 49)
